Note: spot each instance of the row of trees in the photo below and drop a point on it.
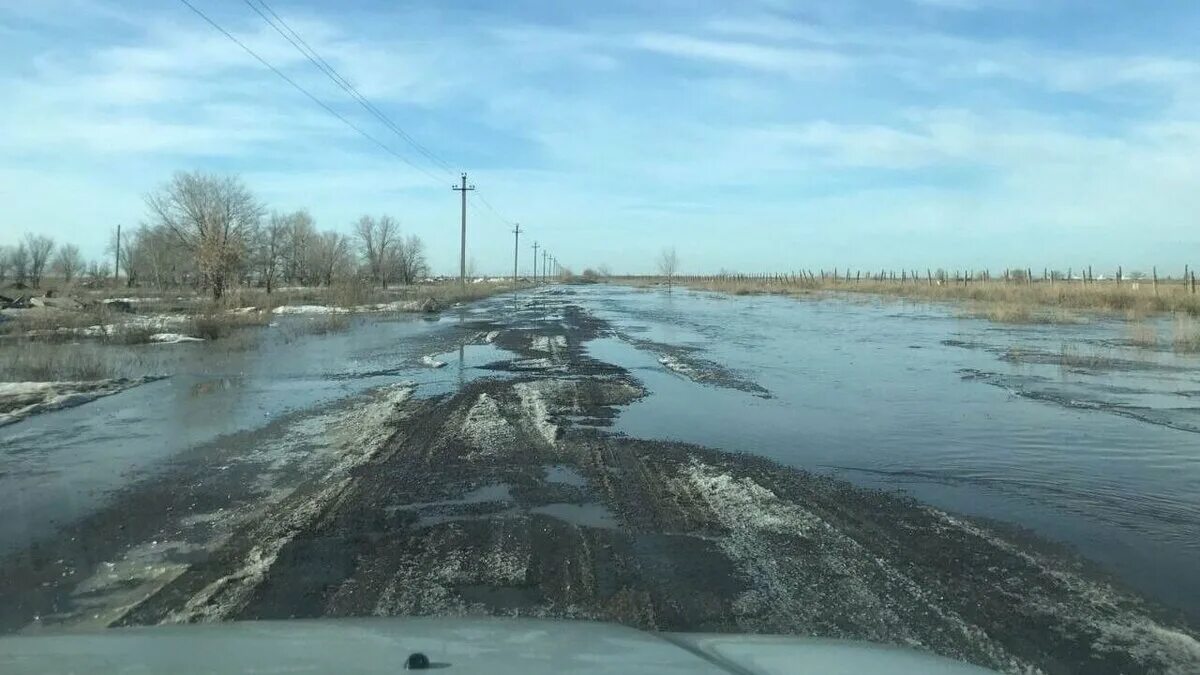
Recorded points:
(210, 232)
(28, 261)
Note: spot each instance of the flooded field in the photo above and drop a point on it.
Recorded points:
(682, 461)
(1062, 429)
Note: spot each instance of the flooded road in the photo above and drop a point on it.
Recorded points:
(1101, 452)
(681, 462)
(57, 467)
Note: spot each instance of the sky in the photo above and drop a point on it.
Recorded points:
(762, 135)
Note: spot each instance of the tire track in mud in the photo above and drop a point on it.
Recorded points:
(510, 497)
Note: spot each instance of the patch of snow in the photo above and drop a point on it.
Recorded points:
(432, 362)
(678, 366)
(485, 426)
(19, 400)
(309, 309)
(550, 344)
(533, 405)
(173, 338)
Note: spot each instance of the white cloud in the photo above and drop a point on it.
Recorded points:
(744, 54)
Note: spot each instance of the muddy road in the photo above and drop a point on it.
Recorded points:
(515, 493)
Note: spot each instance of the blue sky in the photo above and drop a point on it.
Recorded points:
(765, 135)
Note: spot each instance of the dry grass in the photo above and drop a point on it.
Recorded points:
(352, 294)
(37, 362)
(1186, 334)
(1010, 302)
(214, 324)
(1142, 334)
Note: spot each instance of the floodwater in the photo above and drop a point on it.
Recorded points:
(1061, 430)
(967, 415)
(58, 466)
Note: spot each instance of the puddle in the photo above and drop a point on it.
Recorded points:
(62, 465)
(499, 492)
(564, 475)
(582, 515)
(1101, 459)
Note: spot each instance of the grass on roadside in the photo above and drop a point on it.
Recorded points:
(1008, 302)
(25, 361)
(1186, 334)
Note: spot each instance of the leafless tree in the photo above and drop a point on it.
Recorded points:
(408, 259)
(40, 247)
(301, 235)
(378, 238)
(212, 216)
(5, 262)
(68, 262)
(668, 265)
(331, 253)
(270, 247)
(98, 272)
(154, 252)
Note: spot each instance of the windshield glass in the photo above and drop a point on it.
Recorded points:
(875, 321)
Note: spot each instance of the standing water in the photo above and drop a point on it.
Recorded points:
(1061, 430)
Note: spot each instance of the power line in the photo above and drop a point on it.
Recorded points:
(321, 64)
(491, 208)
(304, 91)
(330, 72)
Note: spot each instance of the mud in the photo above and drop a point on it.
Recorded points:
(510, 496)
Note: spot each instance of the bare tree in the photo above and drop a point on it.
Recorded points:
(408, 260)
(155, 253)
(378, 239)
(301, 235)
(668, 265)
(270, 247)
(132, 259)
(20, 263)
(331, 253)
(40, 247)
(5, 262)
(212, 216)
(98, 272)
(68, 262)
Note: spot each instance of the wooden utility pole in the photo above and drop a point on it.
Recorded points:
(544, 256)
(516, 242)
(117, 257)
(535, 248)
(462, 252)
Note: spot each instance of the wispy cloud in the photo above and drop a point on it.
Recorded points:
(743, 54)
(643, 123)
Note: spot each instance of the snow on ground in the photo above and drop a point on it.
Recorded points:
(396, 306)
(678, 366)
(173, 338)
(309, 309)
(135, 321)
(19, 400)
(432, 362)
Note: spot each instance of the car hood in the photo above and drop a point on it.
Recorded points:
(474, 645)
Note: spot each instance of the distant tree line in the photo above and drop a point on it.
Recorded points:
(210, 232)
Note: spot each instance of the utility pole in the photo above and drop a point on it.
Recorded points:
(117, 257)
(516, 241)
(462, 253)
(544, 255)
(535, 248)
